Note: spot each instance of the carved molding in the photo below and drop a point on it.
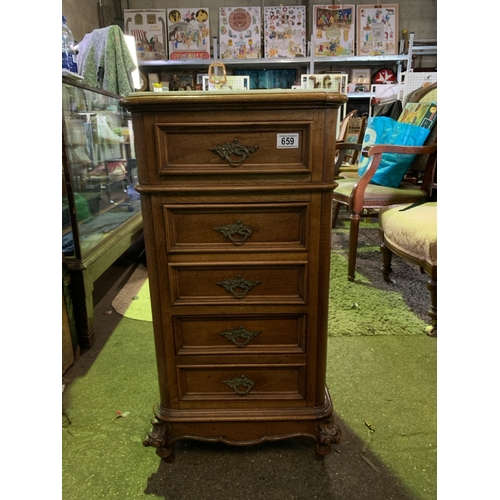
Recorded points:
(329, 433)
(157, 438)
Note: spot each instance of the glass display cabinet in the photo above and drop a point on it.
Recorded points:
(101, 211)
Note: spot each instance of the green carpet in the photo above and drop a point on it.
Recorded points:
(360, 308)
(388, 381)
(382, 376)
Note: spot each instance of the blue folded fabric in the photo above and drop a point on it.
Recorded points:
(393, 166)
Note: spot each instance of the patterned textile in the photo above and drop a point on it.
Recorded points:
(105, 62)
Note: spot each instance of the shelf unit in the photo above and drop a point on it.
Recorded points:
(309, 65)
(402, 63)
(310, 62)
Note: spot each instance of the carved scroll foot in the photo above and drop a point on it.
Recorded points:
(157, 438)
(329, 433)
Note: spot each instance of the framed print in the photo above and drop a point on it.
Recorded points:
(377, 30)
(284, 31)
(361, 79)
(188, 33)
(333, 30)
(239, 32)
(361, 76)
(200, 81)
(148, 28)
(177, 80)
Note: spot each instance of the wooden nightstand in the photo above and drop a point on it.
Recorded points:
(236, 192)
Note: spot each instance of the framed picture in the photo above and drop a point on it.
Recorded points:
(239, 32)
(333, 30)
(200, 85)
(377, 30)
(284, 31)
(361, 76)
(178, 80)
(148, 28)
(188, 33)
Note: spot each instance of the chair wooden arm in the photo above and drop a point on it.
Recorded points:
(341, 149)
(358, 192)
(379, 149)
(345, 124)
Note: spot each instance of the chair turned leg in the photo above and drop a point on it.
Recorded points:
(353, 245)
(335, 215)
(386, 263)
(432, 287)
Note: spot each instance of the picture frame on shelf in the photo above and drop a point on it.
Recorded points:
(188, 33)
(333, 30)
(148, 27)
(240, 33)
(284, 32)
(178, 80)
(361, 79)
(377, 28)
(361, 76)
(200, 81)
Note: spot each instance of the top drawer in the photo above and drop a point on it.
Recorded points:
(237, 147)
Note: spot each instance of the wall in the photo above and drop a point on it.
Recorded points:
(419, 16)
(81, 16)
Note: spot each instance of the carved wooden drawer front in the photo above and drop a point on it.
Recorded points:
(238, 227)
(216, 147)
(241, 383)
(240, 334)
(275, 282)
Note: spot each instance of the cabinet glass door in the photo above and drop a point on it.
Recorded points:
(99, 146)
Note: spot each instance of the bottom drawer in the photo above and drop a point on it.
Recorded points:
(241, 382)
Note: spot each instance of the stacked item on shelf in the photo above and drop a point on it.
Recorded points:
(362, 41)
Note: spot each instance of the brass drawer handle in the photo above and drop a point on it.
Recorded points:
(229, 150)
(229, 230)
(240, 333)
(237, 382)
(239, 286)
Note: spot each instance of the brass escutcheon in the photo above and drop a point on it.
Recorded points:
(240, 333)
(229, 230)
(237, 382)
(238, 283)
(229, 150)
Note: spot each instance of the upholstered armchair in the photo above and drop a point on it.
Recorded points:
(359, 195)
(411, 233)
